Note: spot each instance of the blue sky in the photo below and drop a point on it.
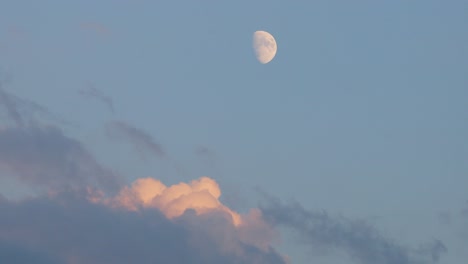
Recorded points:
(363, 111)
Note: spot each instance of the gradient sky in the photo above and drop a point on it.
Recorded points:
(362, 113)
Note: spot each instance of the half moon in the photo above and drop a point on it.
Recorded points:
(264, 45)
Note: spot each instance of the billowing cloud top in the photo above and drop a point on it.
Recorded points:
(146, 222)
(199, 195)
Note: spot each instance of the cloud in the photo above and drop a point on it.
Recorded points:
(74, 228)
(93, 92)
(83, 215)
(358, 239)
(10, 106)
(44, 156)
(200, 195)
(433, 249)
(21, 254)
(21, 111)
(143, 142)
(87, 216)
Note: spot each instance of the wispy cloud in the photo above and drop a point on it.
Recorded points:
(93, 92)
(361, 241)
(45, 156)
(22, 111)
(10, 106)
(42, 155)
(142, 141)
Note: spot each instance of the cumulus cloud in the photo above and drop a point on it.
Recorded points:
(93, 92)
(361, 241)
(141, 141)
(80, 227)
(200, 196)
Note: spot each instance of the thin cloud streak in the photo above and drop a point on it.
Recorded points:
(22, 111)
(10, 107)
(93, 92)
(44, 156)
(141, 141)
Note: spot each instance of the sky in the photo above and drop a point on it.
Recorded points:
(147, 131)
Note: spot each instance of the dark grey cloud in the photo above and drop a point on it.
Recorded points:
(141, 141)
(361, 241)
(93, 92)
(69, 229)
(43, 155)
(20, 254)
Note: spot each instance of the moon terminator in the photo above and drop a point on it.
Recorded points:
(264, 45)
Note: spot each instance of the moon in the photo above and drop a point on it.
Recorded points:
(264, 45)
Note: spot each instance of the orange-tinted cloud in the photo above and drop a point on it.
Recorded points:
(201, 195)
(72, 231)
